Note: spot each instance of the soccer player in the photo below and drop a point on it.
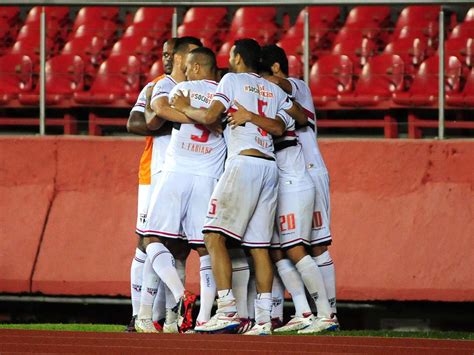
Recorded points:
(274, 58)
(242, 206)
(149, 167)
(193, 164)
(178, 301)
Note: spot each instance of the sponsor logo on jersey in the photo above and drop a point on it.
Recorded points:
(203, 98)
(259, 90)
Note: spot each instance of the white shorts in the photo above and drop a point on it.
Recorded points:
(243, 203)
(179, 205)
(294, 212)
(322, 208)
(144, 197)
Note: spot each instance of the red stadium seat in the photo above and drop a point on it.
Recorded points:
(155, 71)
(380, 77)
(140, 47)
(105, 29)
(16, 73)
(200, 30)
(56, 14)
(355, 45)
(151, 15)
(117, 77)
(213, 15)
(412, 49)
(330, 76)
(95, 15)
(469, 15)
(31, 47)
(321, 16)
(90, 49)
(7, 35)
(222, 56)
(155, 31)
(253, 16)
(64, 76)
(10, 13)
(424, 90)
(463, 30)
(292, 46)
(32, 30)
(264, 33)
(465, 98)
(370, 19)
(421, 17)
(295, 66)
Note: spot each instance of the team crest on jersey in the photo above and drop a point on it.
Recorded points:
(259, 90)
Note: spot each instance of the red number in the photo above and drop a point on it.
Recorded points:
(213, 208)
(317, 220)
(261, 104)
(204, 137)
(287, 222)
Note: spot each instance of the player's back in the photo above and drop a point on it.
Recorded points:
(258, 96)
(193, 149)
(307, 135)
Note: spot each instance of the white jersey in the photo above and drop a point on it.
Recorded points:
(289, 153)
(193, 149)
(307, 135)
(258, 96)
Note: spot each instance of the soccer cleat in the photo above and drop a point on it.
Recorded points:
(260, 329)
(130, 328)
(220, 323)
(245, 325)
(171, 328)
(185, 311)
(145, 326)
(276, 323)
(320, 324)
(296, 323)
(158, 325)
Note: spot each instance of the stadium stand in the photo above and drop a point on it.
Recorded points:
(359, 37)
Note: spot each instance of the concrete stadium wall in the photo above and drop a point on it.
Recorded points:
(402, 217)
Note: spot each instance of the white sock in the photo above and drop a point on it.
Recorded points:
(136, 280)
(240, 280)
(181, 269)
(326, 266)
(159, 304)
(263, 308)
(293, 283)
(164, 265)
(149, 290)
(251, 291)
(208, 289)
(278, 296)
(226, 302)
(313, 280)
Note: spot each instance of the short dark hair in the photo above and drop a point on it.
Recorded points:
(208, 55)
(249, 50)
(181, 44)
(272, 54)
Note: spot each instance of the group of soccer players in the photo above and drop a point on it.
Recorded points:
(232, 169)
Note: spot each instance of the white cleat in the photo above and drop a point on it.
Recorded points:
(170, 328)
(145, 326)
(219, 323)
(260, 329)
(321, 324)
(296, 323)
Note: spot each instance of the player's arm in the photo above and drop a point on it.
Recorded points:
(276, 127)
(298, 114)
(199, 115)
(283, 83)
(136, 124)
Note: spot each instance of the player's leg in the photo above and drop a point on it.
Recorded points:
(322, 235)
(258, 238)
(278, 289)
(228, 214)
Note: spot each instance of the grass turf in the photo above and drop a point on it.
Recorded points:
(364, 333)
